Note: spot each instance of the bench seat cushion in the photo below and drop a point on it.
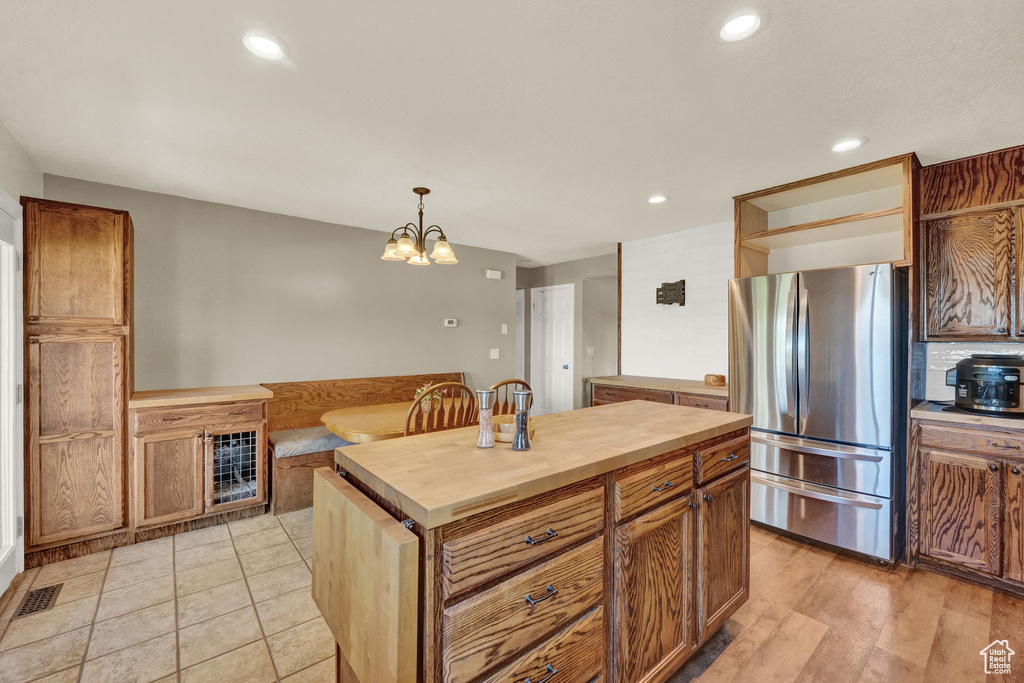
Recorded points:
(290, 442)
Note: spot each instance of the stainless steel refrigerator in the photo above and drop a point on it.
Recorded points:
(819, 359)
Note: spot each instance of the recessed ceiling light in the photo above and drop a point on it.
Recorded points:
(657, 199)
(848, 144)
(263, 45)
(743, 25)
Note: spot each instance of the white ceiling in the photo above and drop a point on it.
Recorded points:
(541, 125)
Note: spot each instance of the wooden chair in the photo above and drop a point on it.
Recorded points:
(504, 403)
(448, 405)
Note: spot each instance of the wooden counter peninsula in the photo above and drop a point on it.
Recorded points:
(612, 550)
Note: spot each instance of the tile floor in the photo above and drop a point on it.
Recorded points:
(227, 603)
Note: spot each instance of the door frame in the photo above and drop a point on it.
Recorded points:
(12, 418)
(534, 333)
(521, 334)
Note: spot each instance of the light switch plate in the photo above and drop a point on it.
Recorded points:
(590, 350)
(493, 274)
(504, 328)
(494, 354)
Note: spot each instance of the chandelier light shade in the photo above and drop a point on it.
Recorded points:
(411, 244)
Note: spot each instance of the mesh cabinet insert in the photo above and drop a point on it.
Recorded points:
(235, 463)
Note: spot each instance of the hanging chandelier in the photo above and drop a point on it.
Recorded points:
(412, 247)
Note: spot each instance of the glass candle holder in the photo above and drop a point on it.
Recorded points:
(485, 401)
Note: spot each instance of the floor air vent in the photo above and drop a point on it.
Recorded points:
(38, 600)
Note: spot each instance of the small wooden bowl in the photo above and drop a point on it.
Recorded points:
(714, 380)
(504, 427)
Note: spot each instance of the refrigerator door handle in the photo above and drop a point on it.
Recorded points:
(789, 350)
(803, 350)
(817, 492)
(848, 452)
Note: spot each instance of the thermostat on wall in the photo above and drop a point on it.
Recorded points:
(451, 322)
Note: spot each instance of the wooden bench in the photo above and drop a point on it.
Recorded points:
(299, 441)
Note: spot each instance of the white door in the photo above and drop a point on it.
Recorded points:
(551, 348)
(521, 334)
(12, 544)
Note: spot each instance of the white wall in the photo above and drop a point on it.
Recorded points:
(944, 355)
(682, 342)
(19, 175)
(226, 295)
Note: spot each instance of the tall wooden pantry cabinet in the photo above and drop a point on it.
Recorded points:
(78, 333)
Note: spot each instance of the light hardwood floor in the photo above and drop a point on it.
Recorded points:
(814, 615)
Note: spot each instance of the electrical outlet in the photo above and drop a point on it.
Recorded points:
(451, 322)
(494, 354)
(504, 328)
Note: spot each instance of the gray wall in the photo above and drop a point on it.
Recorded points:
(594, 309)
(19, 175)
(225, 295)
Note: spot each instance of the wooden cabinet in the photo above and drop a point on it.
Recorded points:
(653, 590)
(969, 273)
(78, 372)
(723, 539)
(194, 460)
(169, 477)
(688, 393)
(961, 502)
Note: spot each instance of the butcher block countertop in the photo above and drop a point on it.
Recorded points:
(935, 412)
(685, 386)
(441, 477)
(180, 397)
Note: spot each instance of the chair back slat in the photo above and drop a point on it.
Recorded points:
(448, 405)
(504, 402)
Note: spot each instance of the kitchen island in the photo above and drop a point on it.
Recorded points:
(613, 548)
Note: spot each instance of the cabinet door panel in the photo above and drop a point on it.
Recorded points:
(653, 589)
(960, 510)
(1013, 511)
(75, 399)
(723, 578)
(169, 477)
(969, 267)
(76, 264)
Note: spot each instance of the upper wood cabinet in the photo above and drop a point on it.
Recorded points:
(76, 268)
(653, 590)
(969, 274)
(78, 369)
(960, 510)
(723, 540)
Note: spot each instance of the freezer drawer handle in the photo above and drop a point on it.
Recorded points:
(550, 533)
(730, 457)
(799, 448)
(549, 670)
(552, 592)
(815, 494)
(666, 485)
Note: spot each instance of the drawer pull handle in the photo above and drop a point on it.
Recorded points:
(1004, 445)
(549, 670)
(171, 419)
(730, 457)
(237, 412)
(551, 533)
(1016, 470)
(552, 592)
(666, 485)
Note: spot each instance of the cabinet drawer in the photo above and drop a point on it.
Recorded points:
(575, 653)
(708, 402)
(504, 547)
(648, 486)
(207, 415)
(502, 622)
(971, 441)
(711, 463)
(615, 394)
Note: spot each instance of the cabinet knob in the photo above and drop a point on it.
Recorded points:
(994, 468)
(707, 497)
(1016, 470)
(694, 505)
(33, 340)
(33, 318)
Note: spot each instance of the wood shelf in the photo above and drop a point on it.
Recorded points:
(867, 223)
